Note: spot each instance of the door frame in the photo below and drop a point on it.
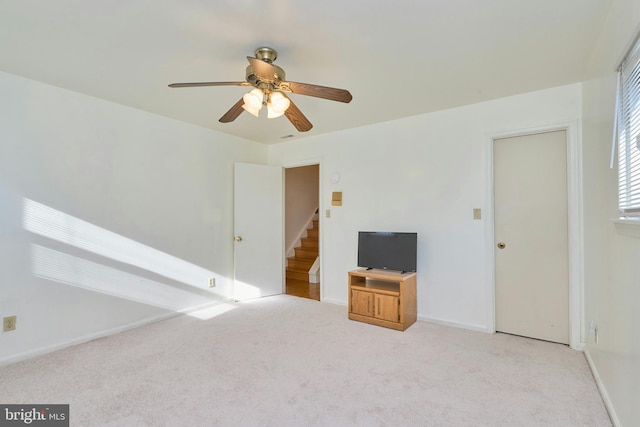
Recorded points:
(574, 223)
(311, 162)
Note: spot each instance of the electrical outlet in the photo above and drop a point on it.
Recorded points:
(593, 329)
(212, 282)
(9, 323)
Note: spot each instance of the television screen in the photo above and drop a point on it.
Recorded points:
(387, 250)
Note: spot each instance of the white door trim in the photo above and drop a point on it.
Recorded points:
(575, 225)
(321, 223)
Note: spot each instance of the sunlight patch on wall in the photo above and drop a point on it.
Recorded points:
(54, 265)
(244, 291)
(56, 225)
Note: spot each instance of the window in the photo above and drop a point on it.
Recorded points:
(628, 133)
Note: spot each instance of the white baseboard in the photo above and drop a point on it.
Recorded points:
(601, 388)
(460, 325)
(90, 337)
(314, 271)
(336, 302)
(580, 346)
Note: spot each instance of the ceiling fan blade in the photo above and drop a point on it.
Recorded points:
(233, 112)
(263, 70)
(340, 95)
(296, 118)
(210, 84)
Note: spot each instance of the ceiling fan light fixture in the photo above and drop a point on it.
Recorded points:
(277, 105)
(272, 114)
(253, 101)
(270, 86)
(252, 110)
(279, 101)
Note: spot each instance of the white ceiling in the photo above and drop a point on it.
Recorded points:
(397, 58)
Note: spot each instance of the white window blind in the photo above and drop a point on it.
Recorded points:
(628, 133)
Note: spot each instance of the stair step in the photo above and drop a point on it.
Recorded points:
(312, 232)
(316, 223)
(300, 264)
(297, 275)
(309, 242)
(306, 253)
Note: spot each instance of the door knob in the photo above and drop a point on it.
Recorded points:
(501, 245)
(238, 239)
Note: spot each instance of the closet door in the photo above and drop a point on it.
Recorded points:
(531, 236)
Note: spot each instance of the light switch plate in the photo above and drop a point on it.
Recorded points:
(9, 323)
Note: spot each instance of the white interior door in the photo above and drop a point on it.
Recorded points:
(258, 228)
(531, 236)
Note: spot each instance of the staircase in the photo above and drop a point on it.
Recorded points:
(305, 255)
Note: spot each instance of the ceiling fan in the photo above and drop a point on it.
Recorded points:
(270, 90)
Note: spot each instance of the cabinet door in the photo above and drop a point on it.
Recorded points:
(387, 308)
(362, 303)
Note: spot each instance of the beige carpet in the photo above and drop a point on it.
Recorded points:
(287, 361)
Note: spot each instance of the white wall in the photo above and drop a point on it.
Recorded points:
(109, 217)
(425, 173)
(612, 287)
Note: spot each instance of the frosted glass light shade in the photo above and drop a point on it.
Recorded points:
(253, 101)
(277, 105)
(252, 110)
(271, 113)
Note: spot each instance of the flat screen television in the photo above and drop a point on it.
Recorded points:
(387, 250)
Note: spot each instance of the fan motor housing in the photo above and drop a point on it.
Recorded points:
(253, 79)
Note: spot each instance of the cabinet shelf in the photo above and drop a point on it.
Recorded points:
(383, 298)
(382, 286)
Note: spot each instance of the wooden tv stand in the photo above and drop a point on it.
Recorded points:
(383, 298)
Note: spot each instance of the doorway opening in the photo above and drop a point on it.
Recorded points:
(302, 231)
